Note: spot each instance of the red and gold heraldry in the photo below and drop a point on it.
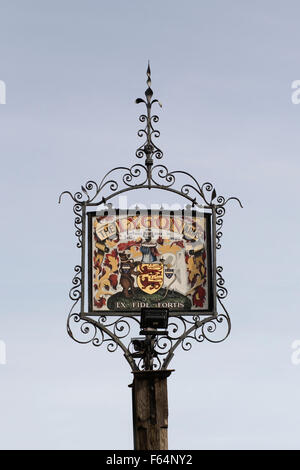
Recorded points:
(149, 259)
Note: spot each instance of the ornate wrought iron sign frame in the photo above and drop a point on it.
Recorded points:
(182, 330)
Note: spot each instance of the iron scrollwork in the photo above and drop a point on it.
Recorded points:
(117, 333)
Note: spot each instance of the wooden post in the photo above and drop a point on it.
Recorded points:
(150, 409)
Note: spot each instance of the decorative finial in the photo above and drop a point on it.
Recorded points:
(148, 149)
(149, 92)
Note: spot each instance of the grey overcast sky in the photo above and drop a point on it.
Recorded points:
(223, 71)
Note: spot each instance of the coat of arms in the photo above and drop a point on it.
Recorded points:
(148, 260)
(151, 277)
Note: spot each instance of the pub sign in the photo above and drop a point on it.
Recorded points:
(154, 259)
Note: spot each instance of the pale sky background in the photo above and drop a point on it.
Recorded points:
(223, 71)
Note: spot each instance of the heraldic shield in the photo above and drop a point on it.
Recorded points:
(151, 277)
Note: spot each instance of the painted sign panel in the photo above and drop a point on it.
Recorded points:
(149, 259)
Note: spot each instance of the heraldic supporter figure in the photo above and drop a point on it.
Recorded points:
(127, 271)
